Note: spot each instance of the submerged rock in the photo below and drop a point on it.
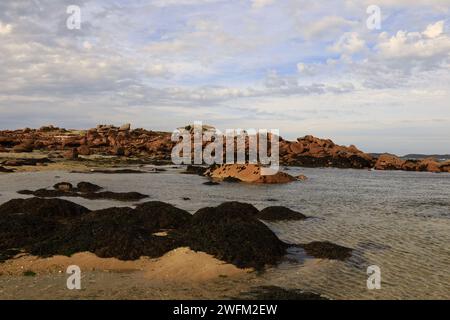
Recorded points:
(211, 183)
(84, 190)
(231, 232)
(278, 293)
(277, 213)
(327, 250)
(86, 187)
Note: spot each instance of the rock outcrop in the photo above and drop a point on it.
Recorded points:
(250, 173)
(46, 208)
(232, 232)
(392, 162)
(124, 141)
(314, 152)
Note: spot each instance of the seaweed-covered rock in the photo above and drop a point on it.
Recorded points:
(117, 171)
(191, 169)
(112, 232)
(236, 209)
(20, 230)
(160, 215)
(211, 183)
(110, 195)
(231, 232)
(120, 196)
(50, 208)
(327, 250)
(86, 187)
(277, 213)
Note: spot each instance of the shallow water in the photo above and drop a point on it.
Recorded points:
(399, 221)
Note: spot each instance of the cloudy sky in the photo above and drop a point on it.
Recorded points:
(305, 67)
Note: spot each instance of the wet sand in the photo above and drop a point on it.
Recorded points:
(179, 274)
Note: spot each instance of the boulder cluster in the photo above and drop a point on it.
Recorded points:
(392, 162)
(314, 152)
(104, 139)
(123, 141)
(232, 231)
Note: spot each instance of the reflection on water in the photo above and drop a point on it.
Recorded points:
(399, 221)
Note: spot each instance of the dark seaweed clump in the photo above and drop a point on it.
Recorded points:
(112, 232)
(277, 213)
(85, 190)
(232, 232)
(327, 250)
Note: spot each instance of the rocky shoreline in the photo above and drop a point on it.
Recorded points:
(110, 145)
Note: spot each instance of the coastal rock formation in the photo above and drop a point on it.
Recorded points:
(250, 173)
(104, 139)
(19, 231)
(47, 208)
(87, 187)
(389, 162)
(232, 232)
(113, 232)
(392, 162)
(156, 146)
(85, 190)
(157, 215)
(310, 151)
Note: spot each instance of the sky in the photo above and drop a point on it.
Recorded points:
(303, 67)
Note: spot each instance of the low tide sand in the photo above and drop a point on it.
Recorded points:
(179, 274)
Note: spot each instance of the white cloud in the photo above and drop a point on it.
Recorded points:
(329, 25)
(261, 3)
(434, 30)
(5, 28)
(349, 43)
(432, 45)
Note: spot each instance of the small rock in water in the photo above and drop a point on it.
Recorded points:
(277, 213)
(63, 186)
(327, 250)
(88, 187)
(211, 183)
